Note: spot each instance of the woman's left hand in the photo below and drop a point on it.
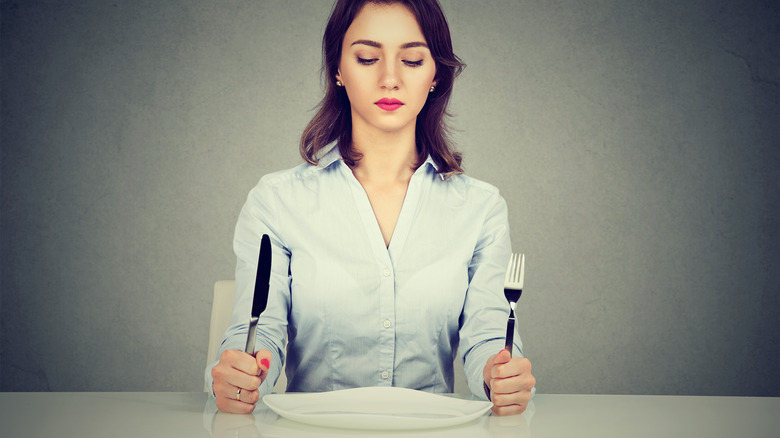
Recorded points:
(510, 382)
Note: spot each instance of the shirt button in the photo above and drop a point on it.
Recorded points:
(385, 375)
(386, 272)
(387, 323)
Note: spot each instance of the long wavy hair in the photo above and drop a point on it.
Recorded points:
(333, 120)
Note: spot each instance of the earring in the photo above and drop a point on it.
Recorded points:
(339, 84)
(433, 88)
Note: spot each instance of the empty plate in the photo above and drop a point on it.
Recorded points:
(376, 408)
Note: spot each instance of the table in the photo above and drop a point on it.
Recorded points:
(192, 415)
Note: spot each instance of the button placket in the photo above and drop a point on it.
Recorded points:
(386, 318)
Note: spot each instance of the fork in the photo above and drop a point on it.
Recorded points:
(513, 288)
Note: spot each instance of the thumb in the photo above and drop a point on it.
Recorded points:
(503, 356)
(263, 358)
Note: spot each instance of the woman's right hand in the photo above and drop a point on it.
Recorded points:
(236, 379)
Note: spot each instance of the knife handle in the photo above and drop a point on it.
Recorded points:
(251, 337)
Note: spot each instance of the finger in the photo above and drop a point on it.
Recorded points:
(227, 379)
(241, 361)
(503, 356)
(263, 360)
(227, 394)
(231, 391)
(509, 410)
(247, 396)
(489, 372)
(514, 384)
(507, 401)
(514, 367)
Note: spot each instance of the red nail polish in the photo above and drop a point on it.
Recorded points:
(264, 362)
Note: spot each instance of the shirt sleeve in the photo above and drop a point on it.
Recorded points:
(485, 311)
(258, 217)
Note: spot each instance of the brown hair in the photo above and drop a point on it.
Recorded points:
(333, 120)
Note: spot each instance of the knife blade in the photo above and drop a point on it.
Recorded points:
(260, 299)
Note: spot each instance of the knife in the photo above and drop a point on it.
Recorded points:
(261, 291)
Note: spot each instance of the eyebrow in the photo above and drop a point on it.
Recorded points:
(379, 45)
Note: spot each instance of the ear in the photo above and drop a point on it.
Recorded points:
(338, 74)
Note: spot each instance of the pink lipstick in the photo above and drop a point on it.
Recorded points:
(389, 104)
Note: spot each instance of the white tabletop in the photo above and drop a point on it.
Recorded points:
(192, 415)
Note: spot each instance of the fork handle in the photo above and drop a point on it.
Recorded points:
(510, 332)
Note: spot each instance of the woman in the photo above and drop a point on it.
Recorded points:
(386, 258)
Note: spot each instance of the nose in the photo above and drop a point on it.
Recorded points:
(389, 79)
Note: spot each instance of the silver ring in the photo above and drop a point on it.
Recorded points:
(238, 394)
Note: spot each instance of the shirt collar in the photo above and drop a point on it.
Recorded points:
(429, 162)
(333, 155)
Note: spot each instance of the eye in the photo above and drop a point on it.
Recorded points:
(366, 61)
(413, 63)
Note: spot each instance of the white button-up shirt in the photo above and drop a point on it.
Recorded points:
(357, 313)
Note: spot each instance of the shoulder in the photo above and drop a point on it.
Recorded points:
(471, 184)
(274, 197)
(304, 172)
(467, 195)
(285, 177)
(471, 190)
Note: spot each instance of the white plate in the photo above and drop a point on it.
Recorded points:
(376, 408)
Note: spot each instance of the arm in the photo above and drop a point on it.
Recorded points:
(224, 377)
(485, 312)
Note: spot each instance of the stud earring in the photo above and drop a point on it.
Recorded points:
(339, 84)
(433, 88)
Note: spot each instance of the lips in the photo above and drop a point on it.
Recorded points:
(389, 104)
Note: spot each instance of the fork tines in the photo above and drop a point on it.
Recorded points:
(515, 272)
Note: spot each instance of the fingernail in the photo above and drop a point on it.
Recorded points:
(264, 362)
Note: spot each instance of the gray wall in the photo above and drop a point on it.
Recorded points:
(636, 144)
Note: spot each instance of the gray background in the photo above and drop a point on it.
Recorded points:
(635, 142)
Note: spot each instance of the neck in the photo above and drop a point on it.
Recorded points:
(386, 158)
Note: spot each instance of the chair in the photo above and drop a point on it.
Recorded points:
(221, 310)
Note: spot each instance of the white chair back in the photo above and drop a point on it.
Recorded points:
(221, 310)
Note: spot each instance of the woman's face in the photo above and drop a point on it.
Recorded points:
(386, 68)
